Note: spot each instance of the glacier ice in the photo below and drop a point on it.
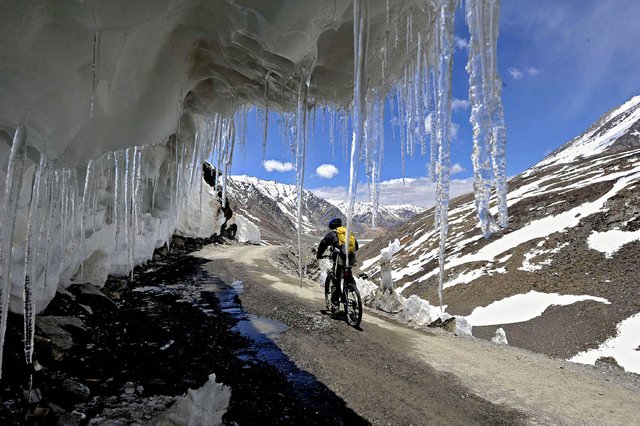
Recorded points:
(125, 102)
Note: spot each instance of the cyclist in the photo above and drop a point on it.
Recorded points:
(332, 239)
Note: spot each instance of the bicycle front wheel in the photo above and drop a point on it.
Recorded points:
(353, 305)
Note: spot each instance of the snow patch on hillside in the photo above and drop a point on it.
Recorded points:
(523, 307)
(623, 347)
(609, 242)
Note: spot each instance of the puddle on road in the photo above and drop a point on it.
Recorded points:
(261, 332)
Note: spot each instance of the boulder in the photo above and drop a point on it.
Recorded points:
(88, 294)
(59, 329)
(71, 392)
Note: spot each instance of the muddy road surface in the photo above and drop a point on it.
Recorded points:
(391, 374)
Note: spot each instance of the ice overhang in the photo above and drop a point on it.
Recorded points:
(91, 77)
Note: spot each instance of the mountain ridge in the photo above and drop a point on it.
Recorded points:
(574, 231)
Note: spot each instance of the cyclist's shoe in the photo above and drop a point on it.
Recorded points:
(334, 308)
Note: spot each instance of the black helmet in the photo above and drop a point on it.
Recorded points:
(334, 223)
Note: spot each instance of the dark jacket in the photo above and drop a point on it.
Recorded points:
(330, 240)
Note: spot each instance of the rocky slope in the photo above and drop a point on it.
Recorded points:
(574, 231)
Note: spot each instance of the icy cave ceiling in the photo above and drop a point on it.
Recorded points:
(95, 76)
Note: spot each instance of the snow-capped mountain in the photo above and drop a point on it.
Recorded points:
(563, 279)
(273, 207)
(388, 215)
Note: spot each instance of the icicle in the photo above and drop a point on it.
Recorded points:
(444, 31)
(117, 199)
(301, 148)
(265, 128)
(8, 212)
(360, 39)
(34, 228)
(332, 132)
(487, 117)
(374, 161)
(94, 69)
(86, 202)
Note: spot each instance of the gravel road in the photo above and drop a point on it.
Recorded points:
(391, 374)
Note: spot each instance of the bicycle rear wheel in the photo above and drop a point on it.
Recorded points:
(327, 292)
(353, 305)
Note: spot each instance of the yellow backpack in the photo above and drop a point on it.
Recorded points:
(342, 238)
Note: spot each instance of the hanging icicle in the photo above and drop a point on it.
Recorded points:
(8, 209)
(444, 31)
(33, 260)
(301, 150)
(487, 116)
(360, 41)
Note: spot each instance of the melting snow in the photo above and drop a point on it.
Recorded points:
(523, 307)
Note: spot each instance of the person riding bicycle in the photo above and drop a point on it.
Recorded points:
(332, 239)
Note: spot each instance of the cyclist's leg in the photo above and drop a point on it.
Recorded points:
(335, 296)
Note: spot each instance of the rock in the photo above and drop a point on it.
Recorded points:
(73, 418)
(86, 308)
(608, 363)
(59, 329)
(89, 294)
(33, 396)
(73, 391)
(458, 326)
(57, 410)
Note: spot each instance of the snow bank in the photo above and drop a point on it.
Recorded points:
(386, 254)
(200, 218)
(500, 337)
(247, 231)
(419, 312)
(203, 406)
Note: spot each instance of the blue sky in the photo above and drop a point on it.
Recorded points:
(563, 64)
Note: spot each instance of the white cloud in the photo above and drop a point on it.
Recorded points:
(461, 43)
(277, 166)
(327, 171)
(455, 128)
(515, 73)
(457, 168)
(533, 71)
(460, 104)
(519, 73)
(416, 191)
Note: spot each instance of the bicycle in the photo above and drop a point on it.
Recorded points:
(349, 297)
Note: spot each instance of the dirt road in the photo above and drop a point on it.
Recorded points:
(391, 374)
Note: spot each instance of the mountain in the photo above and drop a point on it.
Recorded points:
(388, 215)
(273, 206)
(563, 277)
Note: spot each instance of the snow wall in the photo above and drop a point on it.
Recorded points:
(109, 107)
